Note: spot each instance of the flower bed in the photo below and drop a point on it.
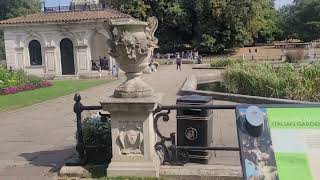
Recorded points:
(16, 81)
(27, 87)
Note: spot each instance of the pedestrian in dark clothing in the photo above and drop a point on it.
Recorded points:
(179, 62)
(105, 64)
(100, 62)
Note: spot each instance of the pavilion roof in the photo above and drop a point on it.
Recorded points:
(66, 17)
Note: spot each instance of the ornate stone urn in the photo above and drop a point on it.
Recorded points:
(133, 102)
(132, 43)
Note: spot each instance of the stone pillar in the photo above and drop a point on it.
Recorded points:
(133, 102)
(133, 137)
(50, 62)
(83, 60)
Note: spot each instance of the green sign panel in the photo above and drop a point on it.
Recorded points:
(295, 134)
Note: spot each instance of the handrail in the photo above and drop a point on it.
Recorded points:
(74, 7)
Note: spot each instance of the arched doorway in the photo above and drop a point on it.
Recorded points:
(35, 53)
(67, 57)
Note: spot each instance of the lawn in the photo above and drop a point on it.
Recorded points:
(129, 178)
(60, 88)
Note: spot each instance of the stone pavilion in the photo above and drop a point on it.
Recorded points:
(59, 43)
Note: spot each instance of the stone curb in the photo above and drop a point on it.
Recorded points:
(187, 172)
(206, 66)
(203, 172)
(93, 171)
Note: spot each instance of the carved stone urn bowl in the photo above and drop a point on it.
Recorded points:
(132, 44)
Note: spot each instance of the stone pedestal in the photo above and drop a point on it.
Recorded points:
(133, 136)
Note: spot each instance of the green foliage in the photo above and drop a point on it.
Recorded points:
(281, 82)
(35, 80)
(15, 8)
(14, 78)
(300, 20)
(225, 62)
(136, 8)
(295, 55)
(96, 132)
(17, 78)
(207, 25)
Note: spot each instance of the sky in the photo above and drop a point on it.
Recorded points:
(279, 3)
(57, 2)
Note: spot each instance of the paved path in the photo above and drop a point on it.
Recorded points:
(35, 141)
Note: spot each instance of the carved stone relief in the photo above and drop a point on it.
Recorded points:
(18, 42)
(130, 137)
(81, 37)
(151, 29)
(49, 39)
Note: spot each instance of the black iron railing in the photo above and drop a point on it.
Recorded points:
(74, 7)
(176, 155)
(78, 108)
(167, 148)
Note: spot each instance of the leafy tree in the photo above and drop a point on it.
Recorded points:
(15, 8)
(300, 20)
(286, 31)
(225, 24)
(136, 8)
(208, 25)
(264, 21)
(307, 19)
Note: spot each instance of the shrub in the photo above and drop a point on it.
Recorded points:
(97, 140)
(224, 63)
(96, 132)
(281, 82)
(295, 55)
(35, 80)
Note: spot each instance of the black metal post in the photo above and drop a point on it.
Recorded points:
(78, 108)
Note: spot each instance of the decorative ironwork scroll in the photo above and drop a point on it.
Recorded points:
(167, 148)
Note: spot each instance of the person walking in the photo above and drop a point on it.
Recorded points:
(115, 72)
(178, 61)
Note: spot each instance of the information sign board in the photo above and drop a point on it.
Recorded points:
(288, 147)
